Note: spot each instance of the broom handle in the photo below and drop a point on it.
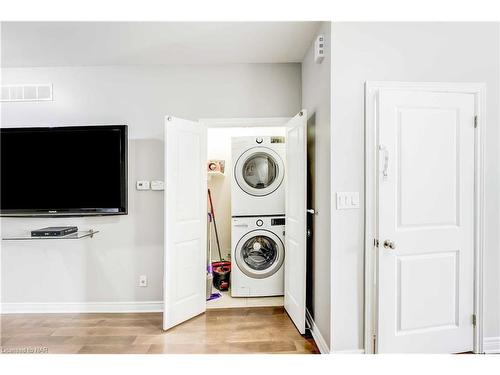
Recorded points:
(215, 223)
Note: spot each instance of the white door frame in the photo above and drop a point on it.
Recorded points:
(252, 122)
(372, 89)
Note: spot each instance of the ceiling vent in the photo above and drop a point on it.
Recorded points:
(26, 93)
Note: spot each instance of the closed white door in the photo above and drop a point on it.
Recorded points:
(295, 225)
(184, 289)
(426, 221)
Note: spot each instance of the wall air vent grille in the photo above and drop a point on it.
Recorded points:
(26, 93)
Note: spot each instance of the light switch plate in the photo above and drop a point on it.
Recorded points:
(142, 185)
(157, 185)
(347, 200)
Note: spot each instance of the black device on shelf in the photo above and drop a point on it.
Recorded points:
(53, 231)
(63, 171)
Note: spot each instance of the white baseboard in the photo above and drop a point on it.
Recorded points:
(352, 351)
(491, 345)
(316, 334)
(81, 307)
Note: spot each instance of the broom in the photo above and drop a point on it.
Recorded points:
(212, 213)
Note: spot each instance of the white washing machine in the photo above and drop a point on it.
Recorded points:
(258, 183)
(257, 255)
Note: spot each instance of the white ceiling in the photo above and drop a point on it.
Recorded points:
(145, 43)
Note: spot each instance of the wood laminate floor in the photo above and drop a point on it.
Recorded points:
(223, 331)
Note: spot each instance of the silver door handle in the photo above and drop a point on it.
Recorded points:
(311, 211)
(389, 244)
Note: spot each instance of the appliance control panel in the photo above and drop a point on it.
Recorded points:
(280, 221)
(277, 139)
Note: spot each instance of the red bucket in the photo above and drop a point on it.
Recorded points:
(221, 272)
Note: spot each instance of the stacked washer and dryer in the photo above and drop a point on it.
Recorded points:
(258, 216)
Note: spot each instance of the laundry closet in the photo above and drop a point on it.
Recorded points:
(252, 221)
(246, 181)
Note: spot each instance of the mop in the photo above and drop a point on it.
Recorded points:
(210, 277)
(212, 214)
(221, 269)
(211, 218)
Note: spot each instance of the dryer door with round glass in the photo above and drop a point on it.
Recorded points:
(259, 171)
(259, 254)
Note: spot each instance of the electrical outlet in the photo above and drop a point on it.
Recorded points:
(143, 280)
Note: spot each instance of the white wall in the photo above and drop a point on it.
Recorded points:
(106, 268)
(449, 52)
(219, 148)
(316, 100)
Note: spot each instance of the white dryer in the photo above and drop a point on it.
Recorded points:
(257, 255)
(258, 183)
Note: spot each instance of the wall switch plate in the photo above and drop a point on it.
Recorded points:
(157, 185)
(142, 185)
(143, 280)
(347, 200)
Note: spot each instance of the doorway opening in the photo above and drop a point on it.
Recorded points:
(240, 169)
(267, 243)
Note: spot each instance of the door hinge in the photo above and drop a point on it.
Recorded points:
(375, 242)
(473, 319)
(475, 121)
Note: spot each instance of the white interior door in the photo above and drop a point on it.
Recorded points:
(184, 289)
(295, 227)
(426, 219)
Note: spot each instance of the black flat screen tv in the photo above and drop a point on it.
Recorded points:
(63, 171)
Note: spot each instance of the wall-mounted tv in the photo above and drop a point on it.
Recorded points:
(63, 171)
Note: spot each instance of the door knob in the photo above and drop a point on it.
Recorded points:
(389, 244)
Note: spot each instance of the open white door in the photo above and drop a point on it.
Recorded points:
(296, 221)
(185, 221)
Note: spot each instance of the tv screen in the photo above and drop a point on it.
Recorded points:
(63, 171)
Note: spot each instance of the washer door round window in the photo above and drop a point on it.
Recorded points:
(259, 171)
(259, 254)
